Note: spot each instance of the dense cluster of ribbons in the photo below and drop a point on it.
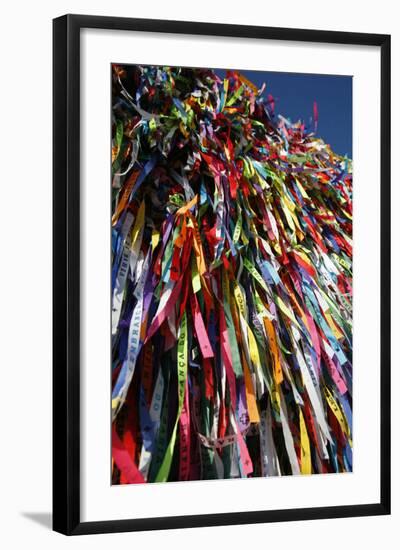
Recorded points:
(231, 284)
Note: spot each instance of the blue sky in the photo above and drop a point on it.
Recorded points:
(295, 94)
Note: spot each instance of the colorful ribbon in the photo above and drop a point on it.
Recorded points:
(231, 283)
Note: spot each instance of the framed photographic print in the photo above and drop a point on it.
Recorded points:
(221, 274)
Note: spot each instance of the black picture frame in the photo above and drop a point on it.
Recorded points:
(66, 274)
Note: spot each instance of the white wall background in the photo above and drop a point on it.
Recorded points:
(26, 103)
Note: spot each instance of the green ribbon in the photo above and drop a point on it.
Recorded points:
(182, 363)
